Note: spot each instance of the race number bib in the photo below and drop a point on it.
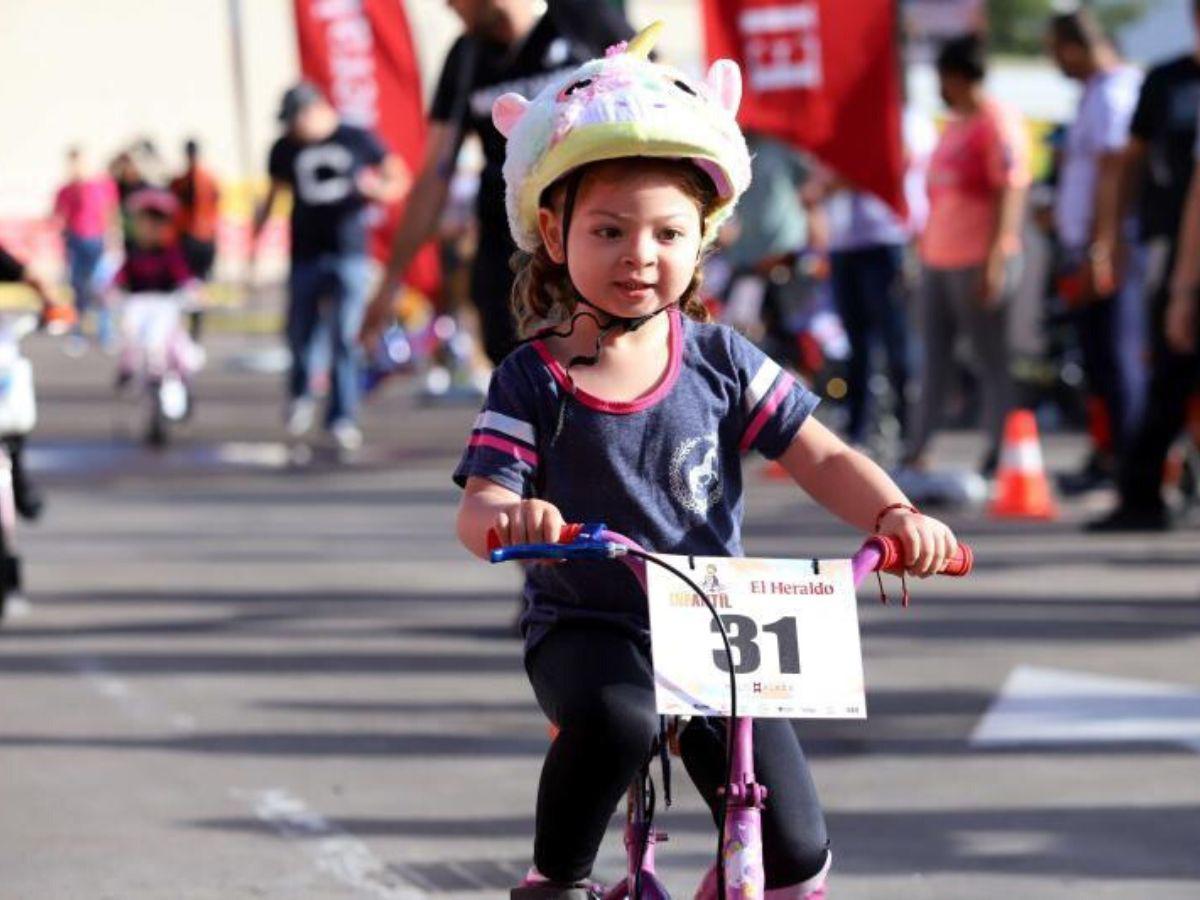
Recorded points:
(793, 632)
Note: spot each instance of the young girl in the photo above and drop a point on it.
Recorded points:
(155, 270)
(629, 408)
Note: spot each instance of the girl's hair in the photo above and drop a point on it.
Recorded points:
(543, 295)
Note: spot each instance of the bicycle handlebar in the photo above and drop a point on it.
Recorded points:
(593, 541)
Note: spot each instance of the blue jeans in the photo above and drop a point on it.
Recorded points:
(332, 288)
(868, 286)
(83, 256)
(1111, 332)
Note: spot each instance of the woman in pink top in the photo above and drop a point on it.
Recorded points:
(970, 250)
(85, 208)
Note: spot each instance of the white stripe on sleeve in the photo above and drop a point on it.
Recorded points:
(760, 385)
(506, 425)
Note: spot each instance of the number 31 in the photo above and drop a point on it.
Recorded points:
(742, 631)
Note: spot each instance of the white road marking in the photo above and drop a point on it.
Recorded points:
(1054, 706)
(335, 851)
(135, 704)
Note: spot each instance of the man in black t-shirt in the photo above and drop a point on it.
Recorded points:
(505, 47)
(1159, 162)
(333, 171)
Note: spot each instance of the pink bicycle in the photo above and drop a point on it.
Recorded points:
(741, 815)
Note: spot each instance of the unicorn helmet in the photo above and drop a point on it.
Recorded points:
(622, 105)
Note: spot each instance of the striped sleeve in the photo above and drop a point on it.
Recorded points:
(773, 403)
(502, 446)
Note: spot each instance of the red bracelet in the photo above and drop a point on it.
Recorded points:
(893, 506)
(883, 598)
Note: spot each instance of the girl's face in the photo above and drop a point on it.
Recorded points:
(633, 242)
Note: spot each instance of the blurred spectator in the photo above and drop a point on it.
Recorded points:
(199, 196)
(1107, 319)
(506, 47)
(85, 208)
(772, 227)
(130, 178)
(333, 170)
(867, 244)
(971, 248)
(1164, 135)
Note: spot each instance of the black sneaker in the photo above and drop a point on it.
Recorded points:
(1125, 518)
(1096, 473)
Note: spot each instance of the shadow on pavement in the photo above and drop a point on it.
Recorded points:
(1095, 842)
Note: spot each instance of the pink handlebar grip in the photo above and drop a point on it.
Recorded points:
(892, 558)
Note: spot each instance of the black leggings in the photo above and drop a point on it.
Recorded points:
(597, 685)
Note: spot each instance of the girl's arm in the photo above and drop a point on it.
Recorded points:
(856, 490)
(486, 505)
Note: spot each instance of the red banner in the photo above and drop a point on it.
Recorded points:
(822, 75)
(360, 54)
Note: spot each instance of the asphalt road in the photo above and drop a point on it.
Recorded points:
(241, 678)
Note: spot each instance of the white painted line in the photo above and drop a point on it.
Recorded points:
(1040, 706)
(135, 704)
(334, 850)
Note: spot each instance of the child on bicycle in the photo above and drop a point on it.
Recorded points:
(629, 407)
(155, 265)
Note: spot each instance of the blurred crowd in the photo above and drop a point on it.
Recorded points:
(901, 317)
(906, 317)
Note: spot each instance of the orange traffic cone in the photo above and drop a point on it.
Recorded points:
(1022, 491)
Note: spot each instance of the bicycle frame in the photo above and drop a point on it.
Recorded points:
(741, 849)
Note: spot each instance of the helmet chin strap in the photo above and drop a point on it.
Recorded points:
(606, 321)
(611, 321)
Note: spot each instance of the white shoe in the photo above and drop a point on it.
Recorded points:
(17, 607)
(300, 415)
(346, 435)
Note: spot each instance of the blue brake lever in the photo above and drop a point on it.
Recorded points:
(588, 544)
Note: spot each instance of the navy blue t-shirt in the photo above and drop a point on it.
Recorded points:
(328, 211)
(664, 470)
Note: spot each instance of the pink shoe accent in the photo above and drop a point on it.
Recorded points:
(533, 877)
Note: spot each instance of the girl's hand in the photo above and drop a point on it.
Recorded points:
(528, 522)
(928, 543)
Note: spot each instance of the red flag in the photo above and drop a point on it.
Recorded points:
(360, 54)
(822, 75)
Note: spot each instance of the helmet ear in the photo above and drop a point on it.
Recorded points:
(724, 79)
(507, 112)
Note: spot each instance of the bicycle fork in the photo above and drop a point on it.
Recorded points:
(744, 802)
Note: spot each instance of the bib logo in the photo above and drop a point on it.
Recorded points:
(713, 589)
(695, 475)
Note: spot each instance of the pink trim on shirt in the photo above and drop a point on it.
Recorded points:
(516, 451)
(766, 411)
(622, 407)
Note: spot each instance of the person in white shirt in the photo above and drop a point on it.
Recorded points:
(1107, 318)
